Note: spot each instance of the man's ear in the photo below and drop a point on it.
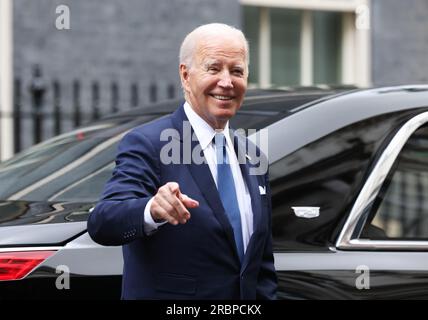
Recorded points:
(184, 76)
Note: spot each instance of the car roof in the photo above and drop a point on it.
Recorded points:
(263, 101)
(281, 103)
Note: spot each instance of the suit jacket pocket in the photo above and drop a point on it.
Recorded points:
(176, 283)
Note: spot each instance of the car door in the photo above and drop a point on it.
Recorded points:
(389, 220)
(356, 247)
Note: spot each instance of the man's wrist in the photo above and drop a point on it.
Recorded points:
(151, 224)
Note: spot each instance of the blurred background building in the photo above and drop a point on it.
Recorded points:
(115, 55)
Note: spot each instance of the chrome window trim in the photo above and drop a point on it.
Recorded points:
(389, 244)
(371, 189)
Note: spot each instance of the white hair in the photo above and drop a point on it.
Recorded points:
(188, 46)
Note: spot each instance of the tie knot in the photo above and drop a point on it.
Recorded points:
(219, 140)
(220, 146)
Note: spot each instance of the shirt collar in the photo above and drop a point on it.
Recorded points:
(204, 132)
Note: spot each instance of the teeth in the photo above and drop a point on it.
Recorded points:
(222, 97)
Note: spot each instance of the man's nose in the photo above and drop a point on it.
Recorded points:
(225, 80)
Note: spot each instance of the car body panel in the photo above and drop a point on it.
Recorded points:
(43, 234)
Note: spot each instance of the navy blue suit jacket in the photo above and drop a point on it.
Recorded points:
(196, 260)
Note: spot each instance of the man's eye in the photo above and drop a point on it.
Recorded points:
(238, 72)
(213, 69)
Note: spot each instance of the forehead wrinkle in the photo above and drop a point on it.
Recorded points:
(222, 52)
(211, 50)
(211, 61)
(207, 59)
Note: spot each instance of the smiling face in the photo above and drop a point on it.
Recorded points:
(216, 81)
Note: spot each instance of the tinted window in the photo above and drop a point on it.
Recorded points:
(401, 209)
(75, 161)
(326, 174)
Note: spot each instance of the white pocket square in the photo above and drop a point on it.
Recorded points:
(262, 190)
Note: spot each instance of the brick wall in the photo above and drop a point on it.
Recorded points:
(126, 41)
(399, 41)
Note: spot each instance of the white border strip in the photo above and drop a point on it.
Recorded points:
(6, 79)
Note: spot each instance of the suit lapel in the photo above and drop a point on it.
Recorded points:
(201, 174)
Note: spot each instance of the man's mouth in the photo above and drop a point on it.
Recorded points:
(220, 97)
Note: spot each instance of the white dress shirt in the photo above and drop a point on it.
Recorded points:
(205, 134)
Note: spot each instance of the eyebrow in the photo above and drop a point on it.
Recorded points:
(212, 62)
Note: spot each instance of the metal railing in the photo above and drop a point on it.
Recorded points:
(44, 101)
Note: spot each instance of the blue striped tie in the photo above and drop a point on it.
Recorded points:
(227, 191)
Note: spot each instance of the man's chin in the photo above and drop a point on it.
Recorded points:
(226, 106)
(225, 111)
(225, 116)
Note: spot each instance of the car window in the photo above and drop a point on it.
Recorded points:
(400, 211)
(79, 161)
(325, 174)
(85, 189)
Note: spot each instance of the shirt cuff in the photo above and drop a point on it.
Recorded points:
(149, 224)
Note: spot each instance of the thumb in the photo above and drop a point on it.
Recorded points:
(187, 201)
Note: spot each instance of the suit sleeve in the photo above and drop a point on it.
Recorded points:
(267, 280)
(118, 218)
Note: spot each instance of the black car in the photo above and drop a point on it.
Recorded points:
(349, 180)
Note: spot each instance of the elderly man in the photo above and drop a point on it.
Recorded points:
(192, 229)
